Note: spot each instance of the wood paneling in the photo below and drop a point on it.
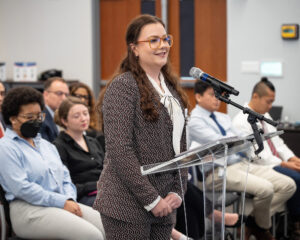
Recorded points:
(191, 96)
(210, 35)
(174, 29)
(114, 18)
(210, 38)
(158, 8)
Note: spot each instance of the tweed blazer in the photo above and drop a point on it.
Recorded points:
(132, 142)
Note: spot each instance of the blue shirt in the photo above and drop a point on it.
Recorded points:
(33, 174)
(203, 129)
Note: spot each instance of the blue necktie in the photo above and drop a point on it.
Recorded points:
(222, 130)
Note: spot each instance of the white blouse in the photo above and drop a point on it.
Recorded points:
(174, 110)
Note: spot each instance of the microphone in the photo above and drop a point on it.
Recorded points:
(215, 83)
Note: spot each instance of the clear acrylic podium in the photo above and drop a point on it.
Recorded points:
(211, 160)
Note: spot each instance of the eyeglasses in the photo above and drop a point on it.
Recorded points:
(32, 116)
(59, 93)
(155, 42)
(85, 97)
(2, 93)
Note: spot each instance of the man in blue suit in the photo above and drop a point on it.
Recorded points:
(55, 91)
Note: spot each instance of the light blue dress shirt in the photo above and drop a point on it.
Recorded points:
(34, 174)
(203, 129)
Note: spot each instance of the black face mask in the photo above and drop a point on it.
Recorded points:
(30, 128)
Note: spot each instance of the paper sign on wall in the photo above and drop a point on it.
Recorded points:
(2, 71)
(25, 71)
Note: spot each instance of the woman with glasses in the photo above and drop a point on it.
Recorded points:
(143, 121)
(85, 94)
(82, 155)
(41, 196)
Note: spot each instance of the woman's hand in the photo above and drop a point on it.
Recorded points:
(73, 207)
(173, 200)
(161, 209)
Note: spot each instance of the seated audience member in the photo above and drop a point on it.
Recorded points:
(83, 92)
(41, 196)
(55, 91)
(2, 95)
(83, 155)
(269, 188)
(275, 154)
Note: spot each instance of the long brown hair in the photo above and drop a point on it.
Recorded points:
(94, 123)
(131, 64)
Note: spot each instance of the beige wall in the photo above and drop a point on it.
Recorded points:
(53, 33)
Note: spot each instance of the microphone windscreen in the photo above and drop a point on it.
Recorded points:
(195, 72)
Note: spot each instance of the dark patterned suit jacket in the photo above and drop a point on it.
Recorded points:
(132, 142)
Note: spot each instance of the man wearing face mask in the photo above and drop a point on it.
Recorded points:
(38, 186)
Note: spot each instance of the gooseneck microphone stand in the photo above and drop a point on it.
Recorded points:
(223, 95)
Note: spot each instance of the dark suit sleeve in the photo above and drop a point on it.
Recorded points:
(118, 114)
(44, 132)
(48, 129)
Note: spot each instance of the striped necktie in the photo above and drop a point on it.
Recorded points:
(222, 130)
(269, 141)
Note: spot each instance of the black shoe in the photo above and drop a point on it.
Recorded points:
(258, 232)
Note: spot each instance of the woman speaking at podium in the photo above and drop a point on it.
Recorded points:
(142, 114)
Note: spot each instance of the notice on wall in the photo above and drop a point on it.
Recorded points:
(2, 71)
(25, 71)
(251, 67)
